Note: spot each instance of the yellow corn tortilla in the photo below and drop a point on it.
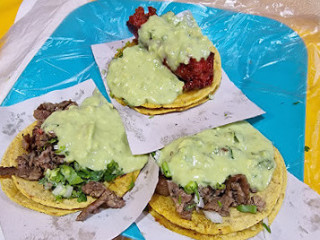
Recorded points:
(157, 111)
(35, 192)
(187, 99)
(237, 221)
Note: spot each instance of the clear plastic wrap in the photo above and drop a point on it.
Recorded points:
(275, 62)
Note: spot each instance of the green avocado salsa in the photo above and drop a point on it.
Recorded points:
(174, 38)
(93, 136)
(140, 77)
(209, 157)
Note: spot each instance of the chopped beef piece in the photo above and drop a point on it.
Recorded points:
(220, 205)
(107, 199)
(27, 142)
(238, 188)
(94, 189)
(236, 192)
(195, 74)
(182, 200)
(8, 171)
(259, 202)
(208, 192)
(48, 159)
(45, 109)
(32, 174)
(139, 18)
(162, 186)
(216, 200)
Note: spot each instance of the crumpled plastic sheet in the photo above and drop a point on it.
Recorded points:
(266, 59)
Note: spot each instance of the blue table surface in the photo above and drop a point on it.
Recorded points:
(263, 57)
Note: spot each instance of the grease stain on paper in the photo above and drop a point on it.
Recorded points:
(85, 235)
(13, 126)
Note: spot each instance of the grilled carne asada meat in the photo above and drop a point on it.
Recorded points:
(107, 199)
(236, 192)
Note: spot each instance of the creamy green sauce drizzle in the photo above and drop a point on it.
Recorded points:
(174, 38)
(93, 135)
(211, 156)
(140, 77)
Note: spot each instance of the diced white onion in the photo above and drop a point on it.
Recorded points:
(68, 192)
(59, 190)
(213, 216)
(156, 155)
(200, 203)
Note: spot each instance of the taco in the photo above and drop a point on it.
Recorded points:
(72, 158)
(169, 67)
(219, 183)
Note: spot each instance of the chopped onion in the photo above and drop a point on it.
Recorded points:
(200, 203)
(213, 216)
(157, 155)
(64, 191)
(68, 191)
(59, 190)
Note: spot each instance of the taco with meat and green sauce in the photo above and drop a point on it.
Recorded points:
(73, 158)
(170, 66)
(223, 183)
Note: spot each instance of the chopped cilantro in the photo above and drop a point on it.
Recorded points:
(266, 227)
(191, 206)
(247, 208)
(131, 184)
(112, 171)
(60, 150)
(53, 140)
(58, 198)
(306, 148)
(165, 169)
(220, 186)
(82, 197)
(191, 187)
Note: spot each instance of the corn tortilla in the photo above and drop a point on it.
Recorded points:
(237, 221)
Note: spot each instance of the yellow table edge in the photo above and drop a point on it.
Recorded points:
(9, 9)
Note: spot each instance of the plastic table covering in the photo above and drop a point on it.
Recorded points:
(267, 60)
